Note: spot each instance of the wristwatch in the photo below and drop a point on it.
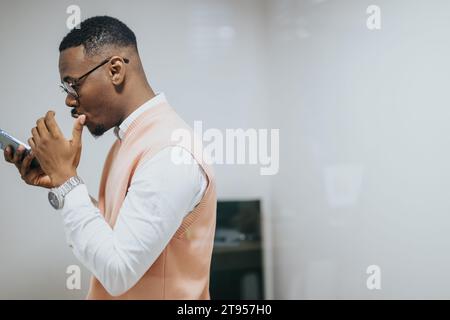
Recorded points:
(56, 195)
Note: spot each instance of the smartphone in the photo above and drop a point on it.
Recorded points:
(8, 140)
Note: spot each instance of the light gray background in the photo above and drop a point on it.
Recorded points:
(363, 118)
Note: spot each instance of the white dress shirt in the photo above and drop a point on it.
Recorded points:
(161, 194)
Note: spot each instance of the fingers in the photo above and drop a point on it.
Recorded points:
(18, 154)
(36, 138)
(8, 154)
(42, 128)
(30, 176)
(51, 124)
(26, 164)
(17, 158)
(31, 143)
(78, 129)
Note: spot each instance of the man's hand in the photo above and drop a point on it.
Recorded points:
(58, 157)
(33, 176)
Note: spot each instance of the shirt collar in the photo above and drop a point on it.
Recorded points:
(123, 127)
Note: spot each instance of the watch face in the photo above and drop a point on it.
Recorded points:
(53, 198)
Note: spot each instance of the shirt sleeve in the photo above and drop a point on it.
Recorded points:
(161, 194)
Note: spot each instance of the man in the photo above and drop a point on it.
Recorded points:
(150, 236)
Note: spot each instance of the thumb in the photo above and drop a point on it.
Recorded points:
(78, 129)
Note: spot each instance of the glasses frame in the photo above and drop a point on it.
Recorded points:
(69, 87)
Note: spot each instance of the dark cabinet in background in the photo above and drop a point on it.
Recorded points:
(237, 261)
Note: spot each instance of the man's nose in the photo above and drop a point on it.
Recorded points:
(71, 102)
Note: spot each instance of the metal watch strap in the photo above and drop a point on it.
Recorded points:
(70, 184)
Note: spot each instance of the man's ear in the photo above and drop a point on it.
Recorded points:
(117, 70)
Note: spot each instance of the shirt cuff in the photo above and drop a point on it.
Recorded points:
(77, 197)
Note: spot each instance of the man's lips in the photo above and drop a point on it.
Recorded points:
(74, 113)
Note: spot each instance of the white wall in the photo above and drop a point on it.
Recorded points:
(365, 141)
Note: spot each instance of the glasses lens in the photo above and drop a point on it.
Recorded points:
(69, 89)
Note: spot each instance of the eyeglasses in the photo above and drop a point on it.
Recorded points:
(70, 86)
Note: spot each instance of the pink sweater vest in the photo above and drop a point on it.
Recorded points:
(182, 270)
